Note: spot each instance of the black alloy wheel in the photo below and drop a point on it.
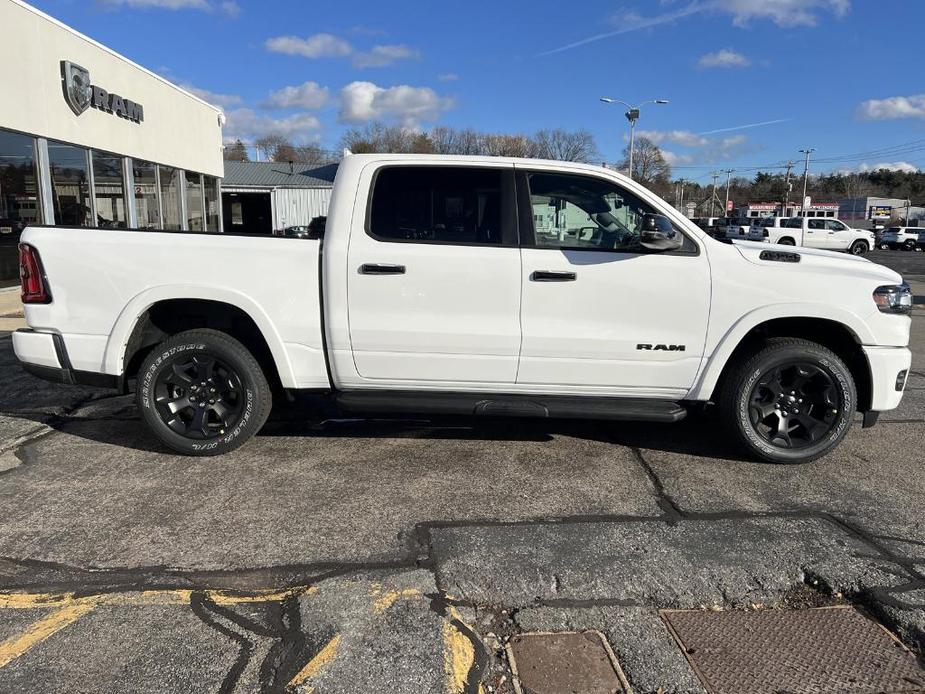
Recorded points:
(788, 401)
(202, 392)
(199, 396)
(794, 405)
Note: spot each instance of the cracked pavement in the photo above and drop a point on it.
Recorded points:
(362, 556)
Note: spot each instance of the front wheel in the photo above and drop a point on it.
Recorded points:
(909, 245)
(201, 392)
(859, 248)
(792, 401)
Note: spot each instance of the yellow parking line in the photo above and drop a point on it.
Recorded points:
(386, 600)
(38, 631)
(458, 654)
(313, 666)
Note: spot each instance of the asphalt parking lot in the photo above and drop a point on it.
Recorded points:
(366, 556)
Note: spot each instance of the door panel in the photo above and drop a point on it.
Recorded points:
(624, 319)
(435, 295)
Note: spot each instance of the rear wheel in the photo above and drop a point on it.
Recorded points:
(786, 242)
(201, 392)
(859, 248)
(790, 402)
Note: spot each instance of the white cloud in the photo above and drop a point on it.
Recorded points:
(381, 56)
(892, 108)
(365, 101)
(706, 150)
(229, 7)
(244, 123)
(315, 46)
(784, 13)
(723, 58)
(331, 46)
(903, 166)
(308, 95)
(214, 98)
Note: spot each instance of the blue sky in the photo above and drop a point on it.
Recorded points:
(842, 76)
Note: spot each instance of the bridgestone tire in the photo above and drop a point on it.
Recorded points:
(735, 398)
(252, 396)
(859, 248)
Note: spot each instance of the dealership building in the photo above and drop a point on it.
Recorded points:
(90, 139)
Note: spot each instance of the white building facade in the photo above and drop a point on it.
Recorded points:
(90, 139)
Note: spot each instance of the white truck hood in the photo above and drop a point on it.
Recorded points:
(820, 260)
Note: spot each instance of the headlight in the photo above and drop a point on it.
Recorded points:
(894, 298)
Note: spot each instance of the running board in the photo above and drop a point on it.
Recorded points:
(406, 402)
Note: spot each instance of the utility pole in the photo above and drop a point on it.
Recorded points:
(787, 187)
(807, 152)
(728, 173)
(681, 204)
(715, 175)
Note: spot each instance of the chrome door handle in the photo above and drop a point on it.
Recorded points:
(381, 269)
(552, 276)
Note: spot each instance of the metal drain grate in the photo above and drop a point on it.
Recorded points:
(820, 650)
(574, 662)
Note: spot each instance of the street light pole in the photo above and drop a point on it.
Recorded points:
(632, 115)
(807, 152)
(713, 197)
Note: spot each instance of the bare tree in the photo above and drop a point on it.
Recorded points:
(269, 144)
(566, 146)
(649, 165)
(507, 146)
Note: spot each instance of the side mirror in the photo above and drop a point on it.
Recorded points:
(657, 233)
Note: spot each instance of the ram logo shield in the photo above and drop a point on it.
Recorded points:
(77, 89)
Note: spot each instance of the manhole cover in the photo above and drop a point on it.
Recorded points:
(826, 649)
(572, 662)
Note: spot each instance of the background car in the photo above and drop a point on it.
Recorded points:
(905, 238)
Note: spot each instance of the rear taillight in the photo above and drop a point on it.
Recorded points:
(32, 276)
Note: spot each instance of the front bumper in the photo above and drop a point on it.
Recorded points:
(886, 365)
(44, 355)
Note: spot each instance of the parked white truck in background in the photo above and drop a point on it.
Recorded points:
(471, 285)
(820, 232)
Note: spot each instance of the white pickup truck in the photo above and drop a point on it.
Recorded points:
(478, 286)
(820, 232)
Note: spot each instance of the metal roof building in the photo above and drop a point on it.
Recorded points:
(265, 197)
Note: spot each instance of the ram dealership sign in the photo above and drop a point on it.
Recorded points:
(81, 95)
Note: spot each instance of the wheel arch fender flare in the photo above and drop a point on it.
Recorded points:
(715, 362)
(114, 356)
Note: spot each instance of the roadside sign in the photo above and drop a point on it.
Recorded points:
(729, 206)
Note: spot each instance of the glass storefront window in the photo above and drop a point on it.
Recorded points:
(144, 174)
(70, 184)
(109, 190)
(194, 216)
(170, 196)
(212, 202)
(19, 199)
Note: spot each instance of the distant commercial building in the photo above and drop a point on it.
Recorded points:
(880, 209)
(264, 197)
(777, 209)
(90, 139)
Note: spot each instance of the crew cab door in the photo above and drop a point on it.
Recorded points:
(433, 276)
(815, 234)
(601, 313)
(838, 236)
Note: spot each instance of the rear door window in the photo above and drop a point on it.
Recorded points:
(443, 205)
